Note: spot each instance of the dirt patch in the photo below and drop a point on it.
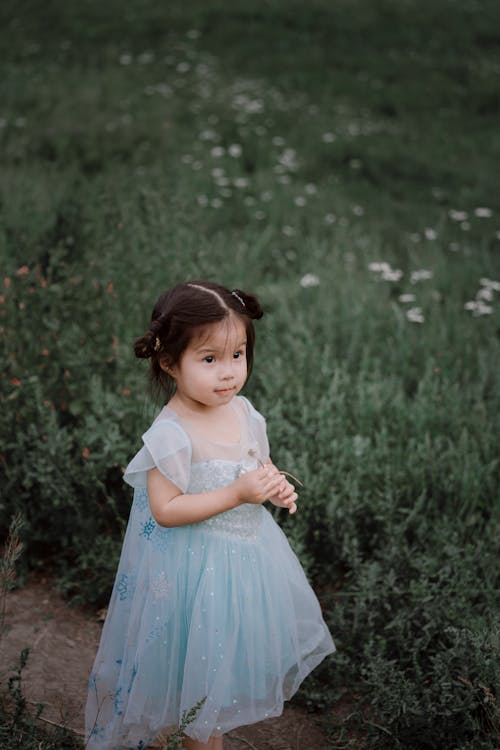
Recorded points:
(63, 642)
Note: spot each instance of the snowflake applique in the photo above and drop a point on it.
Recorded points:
(122, 587)
(160, 586)
(148, 528)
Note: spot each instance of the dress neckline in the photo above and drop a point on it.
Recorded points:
(189, 425)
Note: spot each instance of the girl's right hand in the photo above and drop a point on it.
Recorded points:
(257, 486)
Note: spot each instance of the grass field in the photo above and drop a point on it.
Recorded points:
(341, 161)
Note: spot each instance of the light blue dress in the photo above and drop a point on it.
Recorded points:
(219, 610)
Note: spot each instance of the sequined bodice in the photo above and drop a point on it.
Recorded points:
(243, 521)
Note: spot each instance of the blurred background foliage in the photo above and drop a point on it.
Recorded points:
(338, 160)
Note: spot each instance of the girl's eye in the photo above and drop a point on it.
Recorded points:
(209, 359)
(238, 355)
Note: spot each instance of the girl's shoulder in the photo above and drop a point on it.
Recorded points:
(250, 409)
(166, 446)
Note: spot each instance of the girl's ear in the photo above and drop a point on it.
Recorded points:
(166, 366)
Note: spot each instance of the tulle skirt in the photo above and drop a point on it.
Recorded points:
(214, 612)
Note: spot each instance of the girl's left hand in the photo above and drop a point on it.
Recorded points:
(286, 497)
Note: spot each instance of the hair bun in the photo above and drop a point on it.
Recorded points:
(253, 308)
(144, 345)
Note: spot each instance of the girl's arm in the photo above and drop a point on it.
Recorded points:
(170, 507)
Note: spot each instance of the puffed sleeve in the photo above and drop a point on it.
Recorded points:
(258, 429)
(166, 447)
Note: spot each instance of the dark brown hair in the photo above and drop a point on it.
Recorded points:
(176, 316)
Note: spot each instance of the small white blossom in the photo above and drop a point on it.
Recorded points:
(377, 266)
(249, 200)
(420, 275)
(266, 195)
(478, 308)
(311, 188)
(415, 237)
(216, 203)
(406, 298)
(310, 279)
(218, 172)
(330, 219)
(457, 215)
(414, 315)
(202, 200)
(465, 226)
(328, 137)
(300, 201)
(358, 210)
(145, 58)
(183, 67)
(485, 293)
(125, 59)
(454, 247)
(278, 141)
(483, 213)
(240, 182)
(490, 283)
(392, 275)
(259, 215)
(235, 150)
(288, 231)
(217, 151)
(430, 234)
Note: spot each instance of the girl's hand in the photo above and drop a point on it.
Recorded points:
(284, 496)
(258, 485)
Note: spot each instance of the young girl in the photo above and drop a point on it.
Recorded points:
(210, 603)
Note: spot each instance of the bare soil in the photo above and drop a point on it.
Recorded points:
(62, 642)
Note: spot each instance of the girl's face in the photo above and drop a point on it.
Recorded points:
(213, 367)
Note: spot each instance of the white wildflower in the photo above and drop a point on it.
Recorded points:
(196, 165)
(183, 67)
(218, 172)
(187, 159)
(414, 315)
(278, 141)
(300, 201)
(330, 219)
(266, 195)
(311, 188)
(249, 200)
(259, 215)
(217, 151)
(406, 298)
(486, 293)
(240, 182)
(420, 275)
(125, 59)
(458, 215)
(358, 210)
(415, 237)
(490, 283)
(483, 213)
(310, 279)
(202, 200)
(355, 163)
(478, 308)
(288, 231)
(465, 226)
(392, 275)
(377, 266)
(430, 234)
(235, 150)
(328, 137)
(454, 247)
(216, 203)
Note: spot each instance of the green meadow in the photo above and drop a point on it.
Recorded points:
(340, 160)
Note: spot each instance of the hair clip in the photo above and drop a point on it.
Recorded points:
(235, 294)
(157, 344)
